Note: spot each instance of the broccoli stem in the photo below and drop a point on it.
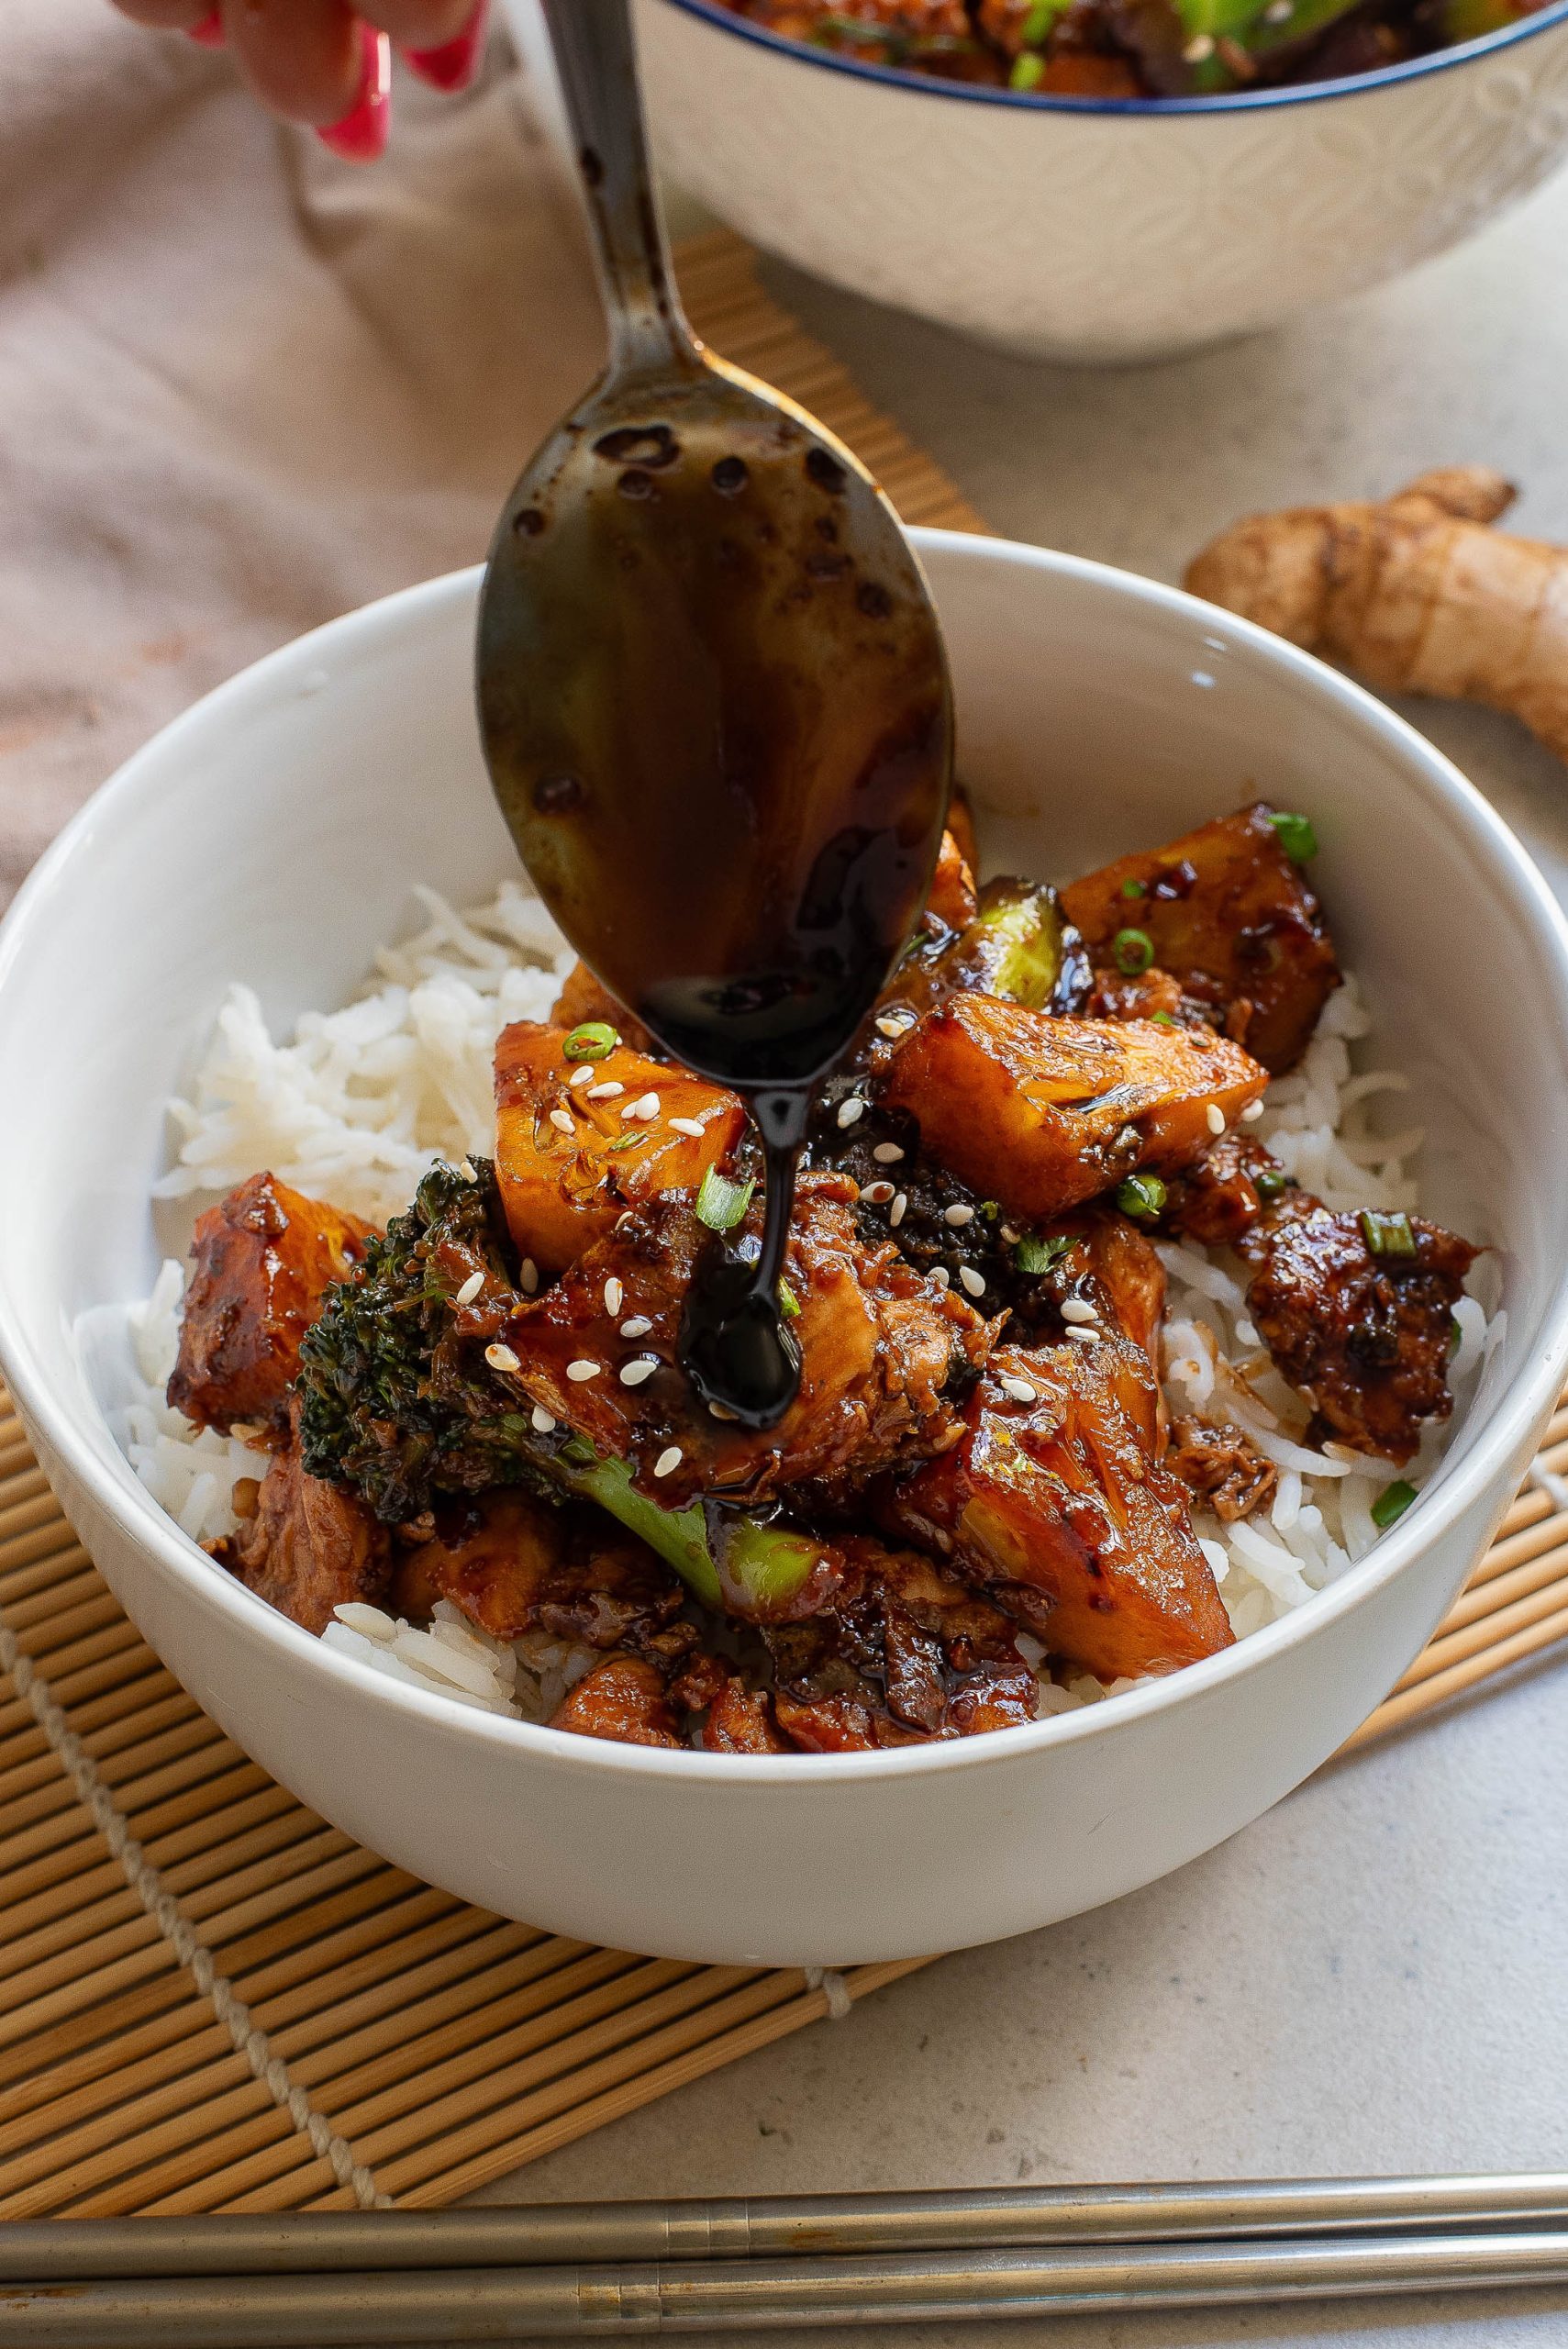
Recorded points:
(763, 1565)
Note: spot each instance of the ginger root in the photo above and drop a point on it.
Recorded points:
(1416, 593)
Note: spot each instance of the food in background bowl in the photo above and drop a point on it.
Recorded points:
(1134, 49)
(1120, 1335)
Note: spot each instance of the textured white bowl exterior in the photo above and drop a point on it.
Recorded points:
(272, 834)
(1076, 235)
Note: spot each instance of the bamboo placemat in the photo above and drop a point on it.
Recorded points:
(212, 2000)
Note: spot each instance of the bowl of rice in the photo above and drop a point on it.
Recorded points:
(287, 936)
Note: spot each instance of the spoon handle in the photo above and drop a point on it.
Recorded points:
(596, 53)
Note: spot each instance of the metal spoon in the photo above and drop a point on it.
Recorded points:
(714, 704)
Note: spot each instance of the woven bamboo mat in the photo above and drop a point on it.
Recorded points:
(212, 2000)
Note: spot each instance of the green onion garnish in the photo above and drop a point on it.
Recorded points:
(1270, 1183)
(1455, 1335)
(721, 1204)
(1039, 21)
(1133, 951)
(1164, 1019)
(1029, 71)
(594, 1041)
(990, 1210)
(1033, 1255)
(624, 1142)
(789, 1304)
(1297, 837)
(1388, 1235)
(1135, 888)
(1140, 1194)
(1392, 1502)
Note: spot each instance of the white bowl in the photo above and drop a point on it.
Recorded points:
(1090, 229)
(272, 833)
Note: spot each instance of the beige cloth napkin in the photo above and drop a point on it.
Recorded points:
(243, 387)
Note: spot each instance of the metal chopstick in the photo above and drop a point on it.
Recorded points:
(974, 2219)
(466, 2305)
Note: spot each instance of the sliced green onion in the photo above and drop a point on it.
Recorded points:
(1392, 1502)
(1033, 1255)
(595, 1040)
(624, 1142)
(1029, 71)
(1297, 837)
(1135, 888)
(1455, 1335)
(1037, 23)
(1164, 1019)
(1270, 1183)
(789, 1304)
(1133, 951)
(1140, 1194)
(990, 1210)
(1388, 1235)
(721, 1204)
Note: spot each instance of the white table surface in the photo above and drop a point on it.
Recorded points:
(1375, 1975)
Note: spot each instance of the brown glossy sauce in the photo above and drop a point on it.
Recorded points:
(725, 756)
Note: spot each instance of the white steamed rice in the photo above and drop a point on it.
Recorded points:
(359, 1102)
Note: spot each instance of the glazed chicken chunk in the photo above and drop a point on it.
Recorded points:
(308, 1547)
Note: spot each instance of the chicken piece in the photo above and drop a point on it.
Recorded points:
(1222, 1465)
(515, 1564)
(1043, 1113)
(1231, 917)
(1057, 1507)
(309, 1548)
(740, 1721)
(564, 1187)
(265, 1257)
(624, 1699)
(952, 897)
(1363, 1330)
(584, 997)
(902, 1650)
(881, 1352)
(1221, 1196)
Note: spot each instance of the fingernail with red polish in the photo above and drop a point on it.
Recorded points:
(453, 66)
(209, 32)
(361, 135)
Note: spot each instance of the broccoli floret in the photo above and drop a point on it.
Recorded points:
(392, 1402)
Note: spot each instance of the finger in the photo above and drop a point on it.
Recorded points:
(165, 15)
(420, 24)
(304, 59)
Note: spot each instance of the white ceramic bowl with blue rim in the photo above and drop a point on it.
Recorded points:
(273, 835)
(1094, 229)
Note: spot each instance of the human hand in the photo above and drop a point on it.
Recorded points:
(327, 63)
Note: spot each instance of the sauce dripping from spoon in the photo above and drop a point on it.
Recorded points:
(715, 708)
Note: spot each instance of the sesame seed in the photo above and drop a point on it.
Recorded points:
(971, 1280)
(581, 1372)
(939, 1273)
(721, 1411)
(645, 1106)
(528, 1277)
(877, 1195)
(887, 1153)
(637, 1327)
(692, 1125)
(1199, 48)
(1077, 1309)
(896, 1023)
(851, 1111)
(1090, 1335)
(957, 1215)
(470, 1289)
(614, 1297)
(561, 1121)
(634, 1372)
(606, 1090)
(544, 1421)
(464, 1172)
(1278, 12)
(668, 1460)
(895, 1212)
(501, 1357)
(1011, 1237)
(1251, 1113)
(582, 1075)
(1019, 1389)
(1216, 1116)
